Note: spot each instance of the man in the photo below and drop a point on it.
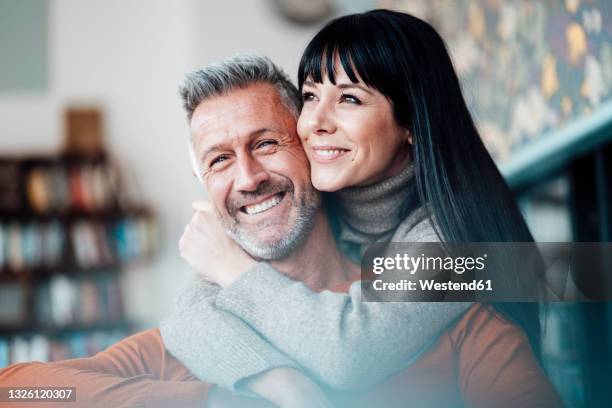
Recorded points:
(138, 371)
(250, 132)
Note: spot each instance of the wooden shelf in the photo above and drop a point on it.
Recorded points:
(69, 215)
(46, 273)
(54, 331)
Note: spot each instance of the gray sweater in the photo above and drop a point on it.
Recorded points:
(266, 320)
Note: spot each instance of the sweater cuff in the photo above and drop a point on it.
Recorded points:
(171, 394)
(249, 297)
(243, 362)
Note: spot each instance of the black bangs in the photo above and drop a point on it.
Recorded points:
(376, 47)
(359, 43)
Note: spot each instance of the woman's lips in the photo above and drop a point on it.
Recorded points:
(327, 153)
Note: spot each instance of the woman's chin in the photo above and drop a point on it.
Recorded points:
(327, 182)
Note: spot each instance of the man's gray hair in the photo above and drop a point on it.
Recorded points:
(237, 72)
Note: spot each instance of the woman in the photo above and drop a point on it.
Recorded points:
(389, 136)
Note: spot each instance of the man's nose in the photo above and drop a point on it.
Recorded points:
(251, 173)
(321, 119)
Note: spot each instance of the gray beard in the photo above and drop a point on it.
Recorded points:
(293, 239)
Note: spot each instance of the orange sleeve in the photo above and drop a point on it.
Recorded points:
(496, 365)
(134, 372)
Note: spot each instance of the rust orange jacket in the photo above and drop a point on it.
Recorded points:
(481, 361)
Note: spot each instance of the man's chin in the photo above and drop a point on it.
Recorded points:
(274, 236)
(267, 241)
(261, 252)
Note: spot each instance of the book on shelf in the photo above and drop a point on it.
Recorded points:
(64, 301)
(78, 243)
(44, 185)
(10, 186)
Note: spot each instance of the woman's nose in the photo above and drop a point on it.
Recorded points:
(321, 120)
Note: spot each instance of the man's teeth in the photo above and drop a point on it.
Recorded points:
(263, 206)
(328, 152)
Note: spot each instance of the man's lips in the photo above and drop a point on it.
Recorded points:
(328, 153)
(264, 204)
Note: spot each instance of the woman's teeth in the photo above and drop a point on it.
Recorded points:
(263, 206)
(328, 152)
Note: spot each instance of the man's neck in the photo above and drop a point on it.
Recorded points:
(318, 262)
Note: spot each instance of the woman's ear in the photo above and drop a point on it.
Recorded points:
(409, 136)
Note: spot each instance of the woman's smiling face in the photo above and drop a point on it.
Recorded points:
(349, 133)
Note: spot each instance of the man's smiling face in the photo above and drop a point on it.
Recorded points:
(250, 159)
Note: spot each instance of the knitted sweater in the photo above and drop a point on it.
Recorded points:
(339, 340)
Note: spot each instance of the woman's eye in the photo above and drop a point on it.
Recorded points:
(350, 99)
(307, 96)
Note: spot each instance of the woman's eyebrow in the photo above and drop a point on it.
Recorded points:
(309, 83)
(347, 85)
(354, 86)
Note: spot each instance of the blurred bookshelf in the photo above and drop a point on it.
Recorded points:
(67, 232)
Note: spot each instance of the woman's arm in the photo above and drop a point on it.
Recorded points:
(216, 346)
(340, 340)
(220, 348)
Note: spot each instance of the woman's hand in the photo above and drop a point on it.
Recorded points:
(288, 388)
(221, 398)
(209, 251)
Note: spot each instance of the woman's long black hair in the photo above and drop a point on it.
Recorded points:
(406, 60)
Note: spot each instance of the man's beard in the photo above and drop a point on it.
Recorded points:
(305, 207)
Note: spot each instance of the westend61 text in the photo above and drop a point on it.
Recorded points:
(429, 284)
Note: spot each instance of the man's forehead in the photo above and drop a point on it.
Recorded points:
(240, 111)
(225, 117)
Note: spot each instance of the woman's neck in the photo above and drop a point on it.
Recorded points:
(371, 212)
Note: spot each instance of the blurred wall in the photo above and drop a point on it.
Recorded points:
(129, 57)
(527, 67)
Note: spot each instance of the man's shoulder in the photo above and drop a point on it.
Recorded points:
(484, 323)
(147, 351)
(146, 340)
(144, 336)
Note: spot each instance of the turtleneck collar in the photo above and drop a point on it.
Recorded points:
(370, 213)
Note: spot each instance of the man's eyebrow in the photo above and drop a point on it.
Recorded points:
(211, 149)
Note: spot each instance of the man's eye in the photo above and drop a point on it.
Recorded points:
(350, 99)
(266, 143)
(307, 96)
(217, 160)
